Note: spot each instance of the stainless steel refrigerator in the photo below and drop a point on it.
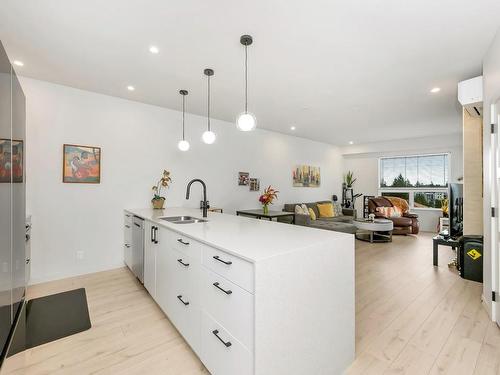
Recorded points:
(12, 201)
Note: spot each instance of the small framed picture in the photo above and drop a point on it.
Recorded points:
(254, 184)
(11, 161)
(81, 164)
(243, 178)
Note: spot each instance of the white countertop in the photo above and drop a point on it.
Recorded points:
(248, 238)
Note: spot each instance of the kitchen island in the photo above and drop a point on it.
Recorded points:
(252, 296)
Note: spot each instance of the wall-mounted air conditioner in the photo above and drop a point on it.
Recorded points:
(470, 95)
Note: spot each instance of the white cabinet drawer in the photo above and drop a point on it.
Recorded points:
(127, 218)
(186, 272)
(235, 269)
(229, 304)
(184, 313)
(185, 245)
(221, 353)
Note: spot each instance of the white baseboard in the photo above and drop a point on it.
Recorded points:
(73, 273)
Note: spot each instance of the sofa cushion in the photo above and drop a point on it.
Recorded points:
(402, 221)
(390, 212)
(333, 226)
(312, 214)
(326, 210)
(337, 209)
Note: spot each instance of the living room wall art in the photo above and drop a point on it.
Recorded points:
(243, 178)
(81, 164)
(254, 184)
(306, 176)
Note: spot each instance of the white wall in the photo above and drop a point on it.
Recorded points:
(491, 93)
(138, 141)
(363, 161)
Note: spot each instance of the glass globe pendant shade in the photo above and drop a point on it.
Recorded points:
(209, 137)
(183, 145)
(246, 122)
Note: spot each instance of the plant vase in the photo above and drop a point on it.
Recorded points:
(158, 203)
(265, 208)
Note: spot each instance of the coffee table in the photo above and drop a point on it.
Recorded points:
(379, 230)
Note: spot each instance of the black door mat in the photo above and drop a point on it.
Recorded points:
(56, 316)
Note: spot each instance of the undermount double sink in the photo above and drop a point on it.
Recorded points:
(183, 219)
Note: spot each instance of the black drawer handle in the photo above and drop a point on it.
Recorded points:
(227, 344)
(182, 242)
(127, 245)
(216, 257)
(184, 264)
(137, 225)
(127, 226)
(180, 299)
(218, 287)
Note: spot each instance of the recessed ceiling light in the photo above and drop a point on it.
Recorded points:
(435, 90)
(292, 127)
(351, 142)
(154, 49)
(18, 63)
(130, 88)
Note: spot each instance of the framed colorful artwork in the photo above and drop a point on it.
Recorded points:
(243, 178)
(81, 164)
(306, 176)
(11, 160)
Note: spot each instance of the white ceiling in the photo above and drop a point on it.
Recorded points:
(357, 70)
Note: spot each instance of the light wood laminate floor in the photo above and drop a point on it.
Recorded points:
(411, 318)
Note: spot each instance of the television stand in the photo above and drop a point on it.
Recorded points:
(439, 240)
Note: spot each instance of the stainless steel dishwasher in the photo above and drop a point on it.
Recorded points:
(138, 248)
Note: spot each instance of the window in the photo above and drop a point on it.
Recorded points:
(421, 180)
(414, 171)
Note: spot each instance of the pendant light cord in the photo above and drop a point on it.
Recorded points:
(208, 103)
(246, 79)
(183, 114)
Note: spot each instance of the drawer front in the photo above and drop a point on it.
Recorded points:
(127, 218)
(185, 245)
(235, 269)
(186, 272)
(229, 304)
(184, 313)
(221, 353)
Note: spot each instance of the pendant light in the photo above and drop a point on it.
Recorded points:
(246, 121)
(183, 144)
(208, 136)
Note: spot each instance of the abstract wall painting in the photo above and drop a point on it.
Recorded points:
(306, 176)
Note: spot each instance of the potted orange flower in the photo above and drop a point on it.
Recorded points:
(158, 200)
(270, 194)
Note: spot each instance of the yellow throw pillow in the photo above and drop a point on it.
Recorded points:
(325, 209)
(312, 214)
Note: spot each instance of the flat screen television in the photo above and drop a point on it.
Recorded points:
(456, 209)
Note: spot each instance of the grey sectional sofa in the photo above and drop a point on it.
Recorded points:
(341, 223)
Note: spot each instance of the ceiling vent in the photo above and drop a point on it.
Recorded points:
(470, 95)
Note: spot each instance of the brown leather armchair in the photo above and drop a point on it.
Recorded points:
(406, 224)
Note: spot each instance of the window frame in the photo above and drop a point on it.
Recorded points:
(412, 190)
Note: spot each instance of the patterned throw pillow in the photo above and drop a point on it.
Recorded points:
(312, 214)
(337, 209)
(390, 212)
